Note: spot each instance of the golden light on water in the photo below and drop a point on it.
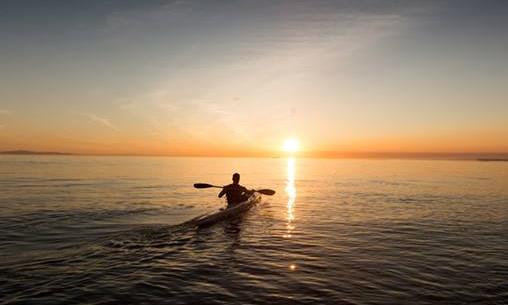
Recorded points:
(291, 193)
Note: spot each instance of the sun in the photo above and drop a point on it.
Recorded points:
(291, 145)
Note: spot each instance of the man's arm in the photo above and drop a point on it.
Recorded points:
(245, 190)
(222, 193)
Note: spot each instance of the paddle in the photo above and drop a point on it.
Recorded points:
(206, 185)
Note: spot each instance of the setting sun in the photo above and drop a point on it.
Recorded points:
(291, 145)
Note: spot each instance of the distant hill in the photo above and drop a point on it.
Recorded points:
(29, 152)
(492, 160)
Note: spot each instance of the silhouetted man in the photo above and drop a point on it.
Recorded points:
(235, 193)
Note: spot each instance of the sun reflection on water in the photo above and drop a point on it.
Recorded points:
(291, 193)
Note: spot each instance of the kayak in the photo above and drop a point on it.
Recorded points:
(223, 214)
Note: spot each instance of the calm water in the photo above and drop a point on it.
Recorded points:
(101, 230)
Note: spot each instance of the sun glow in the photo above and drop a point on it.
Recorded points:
(291, 145)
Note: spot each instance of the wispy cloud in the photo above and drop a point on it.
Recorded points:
(297, 49)
(103, 121)
(266, 58)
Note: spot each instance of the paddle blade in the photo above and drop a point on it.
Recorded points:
(266, 192)
(202, 185)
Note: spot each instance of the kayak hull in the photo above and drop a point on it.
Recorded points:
(229, 213)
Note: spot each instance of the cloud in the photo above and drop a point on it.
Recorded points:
(266, 57)
(102, 121)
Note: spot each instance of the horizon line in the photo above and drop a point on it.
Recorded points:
(303, 154)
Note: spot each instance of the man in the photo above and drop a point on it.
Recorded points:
(235, 193)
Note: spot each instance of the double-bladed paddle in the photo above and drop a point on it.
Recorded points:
(206, 185)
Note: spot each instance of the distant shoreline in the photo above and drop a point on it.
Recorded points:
(29, 152)
(492, 160)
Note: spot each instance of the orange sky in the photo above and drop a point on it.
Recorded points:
(451, 143)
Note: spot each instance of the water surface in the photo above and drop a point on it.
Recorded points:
(103, 230)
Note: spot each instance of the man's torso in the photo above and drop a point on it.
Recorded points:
(235, 193)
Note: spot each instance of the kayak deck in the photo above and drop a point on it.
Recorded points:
(223, 214)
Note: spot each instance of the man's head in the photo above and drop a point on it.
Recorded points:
(236, 178)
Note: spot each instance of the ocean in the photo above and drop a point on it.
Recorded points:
(105, 230)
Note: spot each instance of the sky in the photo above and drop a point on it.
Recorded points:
(237, 78)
